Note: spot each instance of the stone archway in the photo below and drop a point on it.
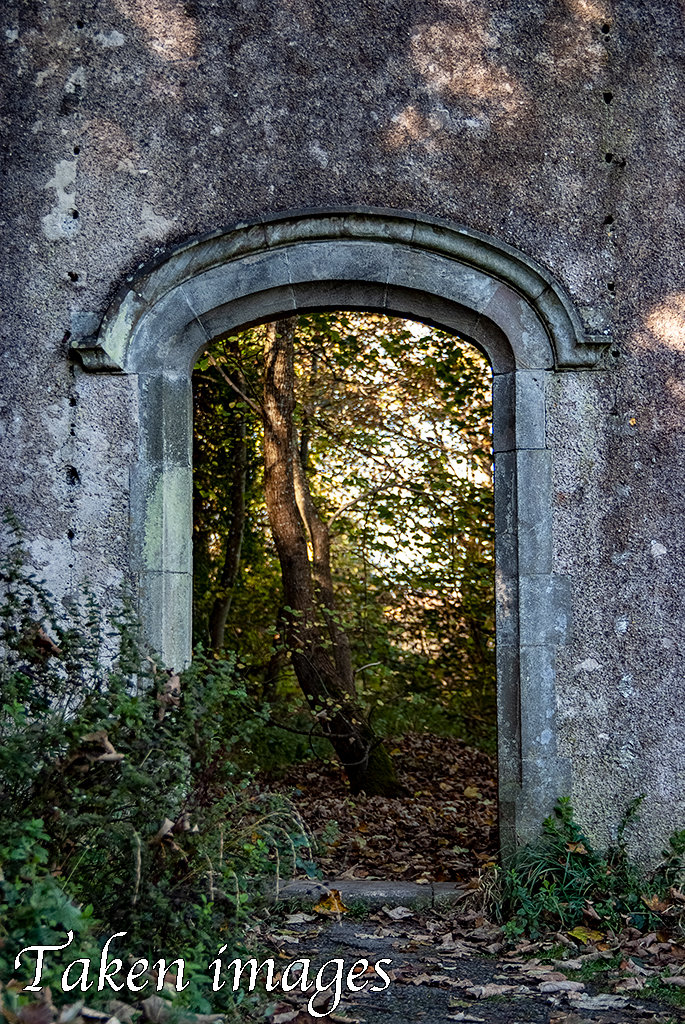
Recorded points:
(377, 261)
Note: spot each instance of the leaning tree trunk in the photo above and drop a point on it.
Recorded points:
(312, 632)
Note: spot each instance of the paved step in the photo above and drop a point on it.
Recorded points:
(373, 893)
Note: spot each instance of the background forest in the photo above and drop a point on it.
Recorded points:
(389, 434)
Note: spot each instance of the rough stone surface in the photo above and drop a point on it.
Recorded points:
(552, 125)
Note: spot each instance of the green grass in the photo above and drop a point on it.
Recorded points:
(670, 994)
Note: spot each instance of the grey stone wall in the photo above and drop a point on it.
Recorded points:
(553, 125)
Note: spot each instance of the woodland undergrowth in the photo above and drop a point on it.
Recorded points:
(122, 808)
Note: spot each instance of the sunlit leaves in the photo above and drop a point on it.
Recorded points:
(394, 421)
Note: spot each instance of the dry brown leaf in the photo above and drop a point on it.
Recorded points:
(552, 987)
(490, 990)
(631, 984)
(37, 1013)
(655, 904)
(576, 847)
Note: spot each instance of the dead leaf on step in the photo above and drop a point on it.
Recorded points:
(490, 990)
(331, 905)
(552, 987)
(582, 1001)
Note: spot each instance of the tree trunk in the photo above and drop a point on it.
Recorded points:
(319, 649)
(234, 539)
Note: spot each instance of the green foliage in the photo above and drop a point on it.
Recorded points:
(562, 882)
(122, 806)
(394, 425)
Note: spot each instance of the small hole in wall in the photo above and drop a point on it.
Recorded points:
(609, 219)
(77, 150)
(70, 534)
(72, 476)
(79, 24)
(606, 29)
(72, 275)
(611, 286)
(607, 97)
(615, 352)
(73, 400)
(608, 157)
(74, 214)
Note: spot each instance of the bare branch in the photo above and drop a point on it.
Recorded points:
(248, 401)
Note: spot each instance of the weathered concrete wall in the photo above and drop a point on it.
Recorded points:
(133, 124)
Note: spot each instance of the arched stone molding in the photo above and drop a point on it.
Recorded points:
(381, 261)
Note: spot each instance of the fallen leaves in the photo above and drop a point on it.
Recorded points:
(331, 904)
(677, 980)
(605, 1001)
(398, 913)
(586, 935)
(452, 796)
(655, 904)
(492, 989)
(552, 987)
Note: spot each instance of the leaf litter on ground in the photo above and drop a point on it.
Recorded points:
(442, 829)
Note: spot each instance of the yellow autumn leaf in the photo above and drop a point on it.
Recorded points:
(332, 904)
(585, 934)
(472, 793)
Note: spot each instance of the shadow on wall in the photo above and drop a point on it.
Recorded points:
(509, 103)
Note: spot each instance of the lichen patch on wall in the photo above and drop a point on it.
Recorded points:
(60, 224)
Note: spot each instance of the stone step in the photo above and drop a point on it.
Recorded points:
(374, 893)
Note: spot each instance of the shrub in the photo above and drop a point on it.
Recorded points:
(122, 808)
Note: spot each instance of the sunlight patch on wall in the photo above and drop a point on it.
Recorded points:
(172, 35)
(462, 64)
(667, 322)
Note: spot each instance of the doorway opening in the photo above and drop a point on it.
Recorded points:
(363, 475)
(398, 264)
